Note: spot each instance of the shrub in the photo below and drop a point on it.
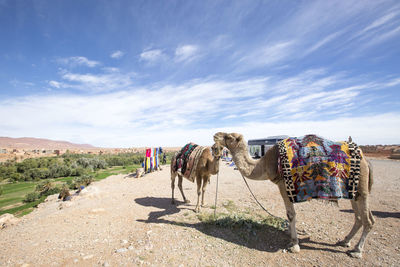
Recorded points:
(87, 179)
(31, 197)
(1, 190)
(45, 188)
(52, 191)
(64, 192)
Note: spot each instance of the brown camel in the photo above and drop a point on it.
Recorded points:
(207, 165)
(266, 168)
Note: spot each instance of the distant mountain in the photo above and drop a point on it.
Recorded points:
(39, 143)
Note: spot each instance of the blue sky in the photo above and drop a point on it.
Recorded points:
(147, 73)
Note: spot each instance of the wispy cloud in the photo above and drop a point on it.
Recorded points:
(186, 53)
(56, 84)
(89, 82)
(323, 42)
(78, 61)
(379, 22)
(266, 55)
(117, 54)
(152, 56)
(130, 117)
(98, 82)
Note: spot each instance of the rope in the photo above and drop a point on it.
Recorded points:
(257, 199)
(216, 197)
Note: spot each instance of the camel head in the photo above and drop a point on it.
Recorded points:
(229, 141)
(217, 150)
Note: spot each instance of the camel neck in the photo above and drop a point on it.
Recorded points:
(264, 168)
(214, 165)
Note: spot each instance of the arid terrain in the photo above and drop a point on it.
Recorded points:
(127, 221)
(39, 143)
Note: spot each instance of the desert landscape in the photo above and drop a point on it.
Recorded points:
(106, 104)
(123, 220)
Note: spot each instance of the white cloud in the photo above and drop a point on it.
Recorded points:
(186, 53)
(173, 114)
(271, 54)
(102, 82)
(379, 38)
(374, 129)
(334, 26)
(55, 84)
(323, 42)
(78, 61)
(393, 82)
(117, 54)
(379, 22)
(152, 56)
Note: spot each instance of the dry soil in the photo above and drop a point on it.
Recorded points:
(127, 221)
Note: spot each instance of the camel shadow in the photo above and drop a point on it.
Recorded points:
(160, 203)
(253, 235)
(380, 214)
(304, 241)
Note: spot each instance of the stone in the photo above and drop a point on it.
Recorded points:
(121, 250)
(87, 257)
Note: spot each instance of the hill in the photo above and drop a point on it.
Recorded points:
(39, 143)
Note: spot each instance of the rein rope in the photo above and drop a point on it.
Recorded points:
(216, 197)
(258, 202)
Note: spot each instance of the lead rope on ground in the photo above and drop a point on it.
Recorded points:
(286, 221)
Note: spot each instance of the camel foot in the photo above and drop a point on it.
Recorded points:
(197, 210)
(343, 243)
(187, 201)
(355, 254)
(173, 201)
(294, 248)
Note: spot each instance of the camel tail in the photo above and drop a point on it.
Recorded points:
(371, 176)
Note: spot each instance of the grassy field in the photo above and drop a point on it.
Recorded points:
(11, 201)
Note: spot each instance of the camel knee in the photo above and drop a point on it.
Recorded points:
(291, 215)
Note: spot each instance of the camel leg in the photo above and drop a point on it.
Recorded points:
(356, 226)
(291, 215)
(203, 189)
(367, 221)
(173, 176)
(198, 180)
(180, 179)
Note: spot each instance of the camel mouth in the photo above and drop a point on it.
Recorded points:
(219, 137)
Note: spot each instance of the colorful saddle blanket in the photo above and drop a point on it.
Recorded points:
(313, 167)
(187, 159)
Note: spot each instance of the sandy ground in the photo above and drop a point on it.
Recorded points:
(128, 221)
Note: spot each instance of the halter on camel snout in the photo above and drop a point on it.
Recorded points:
(215, 151)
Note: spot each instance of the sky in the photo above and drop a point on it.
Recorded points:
(164, 73)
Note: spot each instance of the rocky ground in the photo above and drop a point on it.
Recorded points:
(127, 221)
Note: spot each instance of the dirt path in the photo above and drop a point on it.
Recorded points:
(127, 221)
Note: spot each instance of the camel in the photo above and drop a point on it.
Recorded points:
(208, 165)
(266, 168)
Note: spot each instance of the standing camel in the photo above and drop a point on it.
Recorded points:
(266, 168)
(208, 164)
